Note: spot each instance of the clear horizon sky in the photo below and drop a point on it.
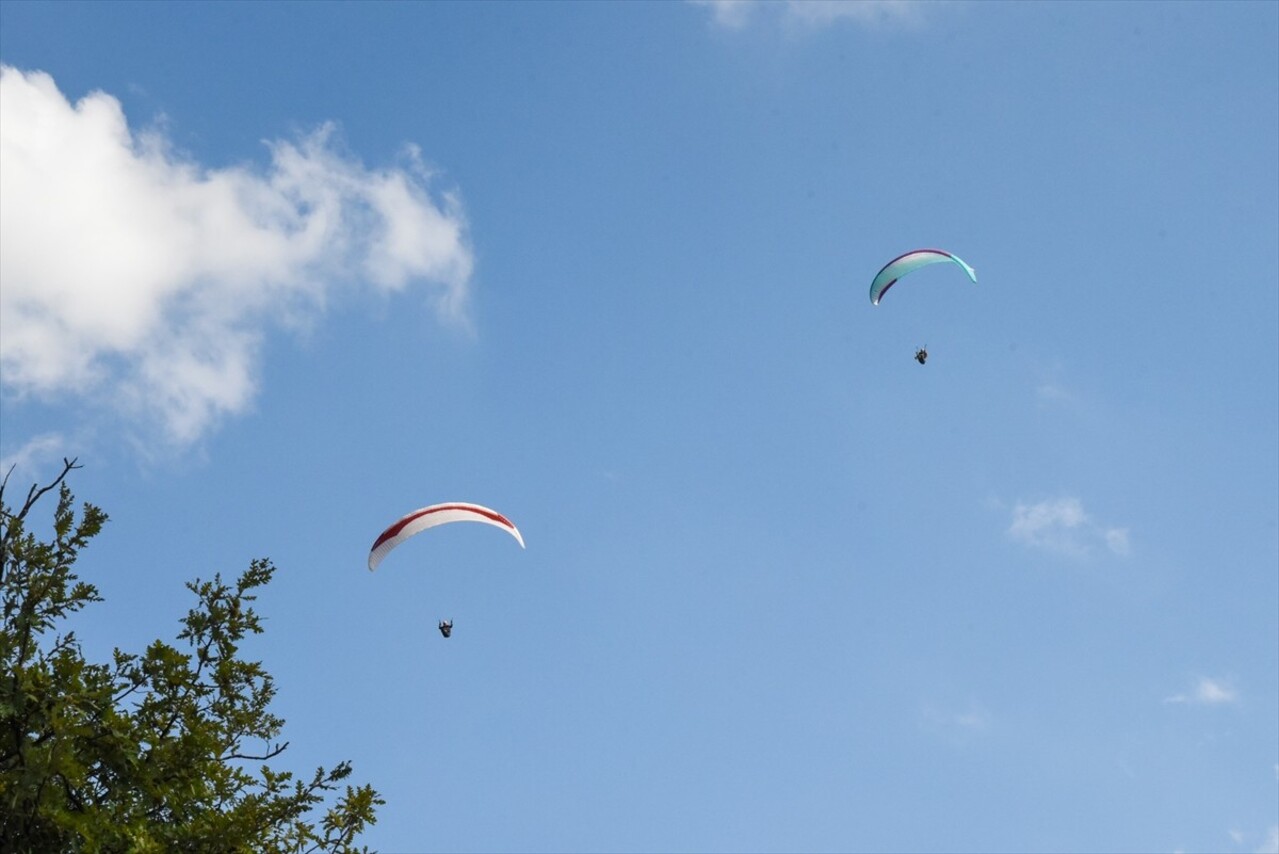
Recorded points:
(279, 273)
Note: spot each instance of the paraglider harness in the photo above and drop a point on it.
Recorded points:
(921, 355)
(446, 627)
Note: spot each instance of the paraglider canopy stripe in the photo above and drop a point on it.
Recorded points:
(909, 262)
(429, 517)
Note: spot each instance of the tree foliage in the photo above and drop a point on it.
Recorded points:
(167, 750)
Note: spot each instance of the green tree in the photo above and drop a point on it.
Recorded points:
(153, 752)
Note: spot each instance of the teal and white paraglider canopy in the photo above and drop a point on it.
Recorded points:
(908, 263)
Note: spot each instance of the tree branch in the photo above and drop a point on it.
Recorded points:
(270, 754)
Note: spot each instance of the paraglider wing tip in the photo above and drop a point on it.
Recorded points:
(376, 554)
(875, 297)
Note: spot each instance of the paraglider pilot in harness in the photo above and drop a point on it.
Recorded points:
(446, 627)
(921, 355)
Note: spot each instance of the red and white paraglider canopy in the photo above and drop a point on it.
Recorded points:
(429, 517)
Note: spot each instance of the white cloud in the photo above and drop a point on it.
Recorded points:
(1207, 692)
(144, 281)
(735, 14)
(1062, 525)
(1271, 845)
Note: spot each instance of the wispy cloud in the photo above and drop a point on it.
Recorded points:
(1207, 692)
(26, 461)
(1050, 393)
(1271, 843)
(1062, 525)
(956, 724)
(735, 14)
(1117, 540)
(732, 14)
(144, 281)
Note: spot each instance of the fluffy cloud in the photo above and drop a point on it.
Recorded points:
(735, 14)
(145, 281)
(1207, 692)
(1062, 525)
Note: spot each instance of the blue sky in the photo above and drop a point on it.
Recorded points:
(279, 273)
